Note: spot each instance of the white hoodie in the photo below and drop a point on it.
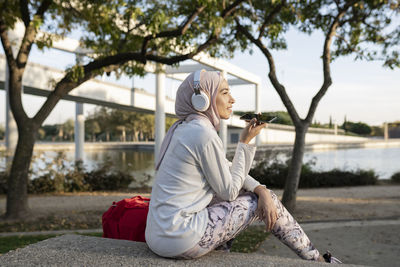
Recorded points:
(193, 170)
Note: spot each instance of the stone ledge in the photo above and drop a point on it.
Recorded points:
(78, 250)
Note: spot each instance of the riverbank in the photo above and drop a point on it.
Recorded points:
(89, 146)
(149, 146)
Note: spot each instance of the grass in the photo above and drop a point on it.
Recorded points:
(93, 234)
(250, 239)
(13, 242)
(246, 242)
(66, 221)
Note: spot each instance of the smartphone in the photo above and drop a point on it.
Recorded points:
(260, 117)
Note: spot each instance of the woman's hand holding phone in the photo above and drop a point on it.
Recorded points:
(260, 117)
(252, 129)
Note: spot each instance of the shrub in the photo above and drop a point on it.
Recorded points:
(74, 181)
(102, 180)
(77, 181)
(336, 178)
(273, 174)
(42, 184)
(395, 178)
(59, 176)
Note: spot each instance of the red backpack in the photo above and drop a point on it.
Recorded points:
(126, 219)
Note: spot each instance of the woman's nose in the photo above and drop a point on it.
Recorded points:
(232, 100)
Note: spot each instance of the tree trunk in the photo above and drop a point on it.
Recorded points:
(17, 194)
(293, 178)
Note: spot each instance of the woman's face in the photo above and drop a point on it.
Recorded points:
(224, 101)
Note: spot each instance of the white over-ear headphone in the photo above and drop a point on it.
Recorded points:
(200, 99)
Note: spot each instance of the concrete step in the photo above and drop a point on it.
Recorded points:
(78, 250)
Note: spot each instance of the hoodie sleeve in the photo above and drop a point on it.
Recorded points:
(249, 183)
(226, 182)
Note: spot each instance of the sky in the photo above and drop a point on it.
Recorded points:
(361, 91)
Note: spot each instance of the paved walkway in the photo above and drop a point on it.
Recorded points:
(361, 242)
(76, 250)
(372, 242)
(360, 225)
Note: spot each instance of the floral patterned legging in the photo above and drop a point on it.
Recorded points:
(227, 219)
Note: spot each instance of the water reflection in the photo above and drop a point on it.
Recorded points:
(140, 164)
(384, 161)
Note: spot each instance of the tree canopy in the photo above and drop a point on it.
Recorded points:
(116, 35)
(366, 29)
(123, 35)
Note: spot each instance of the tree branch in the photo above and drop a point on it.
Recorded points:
(72, 9)
(30, 35)
(349, 45)
(356, 17)
(230, 9)
(172, 33)
(269, 18)
(23, 7)
(67, 83)
(43, 8)
(175, 59)
(185, 25)
(272, 74)
(326, 59)
(337, 2)
(7, 46)
(14, 81)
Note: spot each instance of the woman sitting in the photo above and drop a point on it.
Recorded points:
(200, 201)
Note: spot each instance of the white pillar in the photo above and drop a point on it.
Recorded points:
(123, 134)
(11, 126)
(79, 131)
(133, 93)
(386, 131)
(160, 110)
(223, 127)
(257, 109)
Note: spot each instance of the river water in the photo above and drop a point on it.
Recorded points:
(384, 161)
